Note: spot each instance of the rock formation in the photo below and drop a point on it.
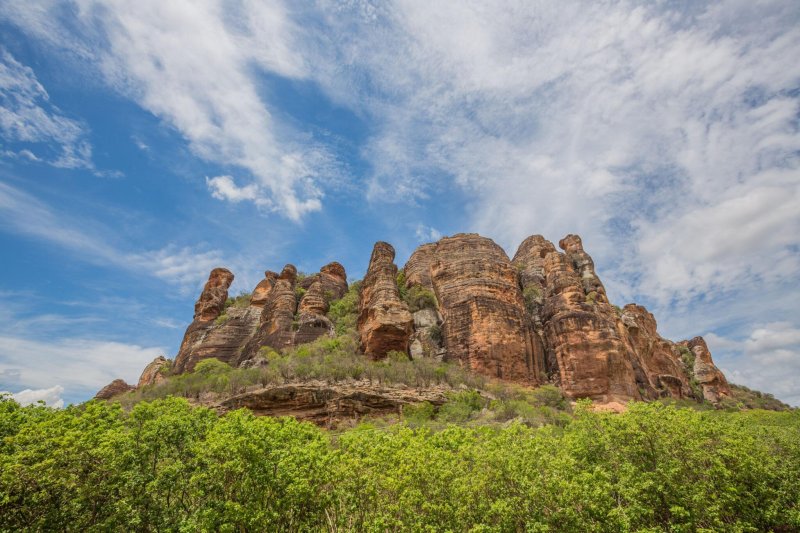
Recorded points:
(543, 317)
(153, 373)
(481, 302)
(384, 321)
(212, 300)
(115, 388)
(713, 382)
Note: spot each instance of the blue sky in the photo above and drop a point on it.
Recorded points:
(144, 143)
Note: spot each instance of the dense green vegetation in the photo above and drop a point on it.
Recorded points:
(165, 466)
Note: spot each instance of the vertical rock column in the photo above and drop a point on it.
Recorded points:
(207, 309)
(484, 317)
(712, 381)
(581, 329)
(384, 321)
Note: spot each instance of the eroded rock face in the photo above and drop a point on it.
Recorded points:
(330, 284)
(712, 381)
(115, 388)
(277, 318)
(153, 373)
(384, 321)
(418, 267)
(262, 290)
(660, 371)
(581, 332)
(484, 325)
(329, 405)
(212, 300)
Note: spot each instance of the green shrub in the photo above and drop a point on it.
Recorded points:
(533, 298)
(419, 298)
(344, 311)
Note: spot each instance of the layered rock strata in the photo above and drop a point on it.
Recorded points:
(384, 321)
(543, 317)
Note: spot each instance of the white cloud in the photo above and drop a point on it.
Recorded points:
(427, 233)
(27, 116)
(224, 188)
(79, 365)
(198, 66)
(51, 396)
(767, 360)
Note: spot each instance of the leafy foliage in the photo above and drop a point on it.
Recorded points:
(344, 311)
(166, 466)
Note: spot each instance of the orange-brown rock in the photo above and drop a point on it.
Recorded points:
(384, 321)
(418, 267)
(581, 332)
(115, 388)
(481, 302)
(712, 381)
(212, 300)
(660, 371)
(262, 290)
(278, 316)
(223, 337)
(584, 266)
(153, 373)
(330, 284)
(329, 405)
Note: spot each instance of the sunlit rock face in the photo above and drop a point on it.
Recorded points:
(384, 321)
(479, 298)
(542, 317)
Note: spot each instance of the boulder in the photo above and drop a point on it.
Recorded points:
(115, 388)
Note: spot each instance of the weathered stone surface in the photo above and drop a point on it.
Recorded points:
(426, 341)
(277, 322)
(262, 290)
(330, 284)
(584, 266)
(484, 317)
(115, 388)
(384, 321)
(712, 381)
(212, 300)
(418, 267)
(153, 373)
(659, 370)
(587, 356)
(330, 405)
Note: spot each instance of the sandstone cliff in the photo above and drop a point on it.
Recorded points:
(541, 317)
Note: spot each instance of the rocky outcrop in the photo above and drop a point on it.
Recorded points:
(481, 302)
(329, 405)
(543, 317)
(660, 371)
(154, 372)
(581, 333)
(212, 300)
(262, 290)
(115, 388)
(384, 321)
(713, 383)
(417, 269)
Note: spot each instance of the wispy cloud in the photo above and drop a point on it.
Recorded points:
(24, 214)
(29, 119)
(199, 67)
